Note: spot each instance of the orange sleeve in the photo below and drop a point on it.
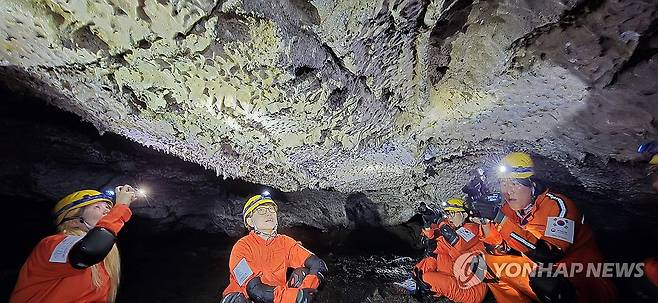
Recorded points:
(241, 268)
(443, 260)
(42, 259)
(40, 264)
(444, 250)
(554, 206)
(517, 238)
(297, 254)
(116, 218)
(562, 207)
(494, 237)
(427, 264)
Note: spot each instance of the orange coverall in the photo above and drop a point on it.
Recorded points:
(438, 271)
(523, 234)
(268, 260)
(43, 281)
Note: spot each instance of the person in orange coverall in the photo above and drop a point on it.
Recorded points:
(538, 227)
(81, 262)
(455, 239)
(260, 260)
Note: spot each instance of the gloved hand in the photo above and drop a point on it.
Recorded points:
(125, 194)
(449, 234)
(430, 246)
(428, 215)
(234, 297)
(423, 290)
(487, 206)
(297, 277)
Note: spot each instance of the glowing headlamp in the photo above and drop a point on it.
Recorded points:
(649, 147)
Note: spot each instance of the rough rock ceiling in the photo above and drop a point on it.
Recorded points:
(398, 99)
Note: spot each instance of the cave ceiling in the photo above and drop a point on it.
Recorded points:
(396, 99)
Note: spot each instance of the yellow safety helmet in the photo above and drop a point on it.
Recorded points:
(455, 205)
(253, 203)
(516, 165)
(654, 160)
(79, 199)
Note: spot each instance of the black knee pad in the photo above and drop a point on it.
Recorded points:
(553, 289)
(297, 276)
(234, 297)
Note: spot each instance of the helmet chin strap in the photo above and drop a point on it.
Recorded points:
(80, 219)
(268, 235)
(89, 227)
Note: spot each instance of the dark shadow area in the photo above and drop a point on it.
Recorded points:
(361, 211)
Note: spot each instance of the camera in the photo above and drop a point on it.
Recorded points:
(430, 214)
(481, 200)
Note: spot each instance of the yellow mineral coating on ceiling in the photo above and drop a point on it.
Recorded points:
(31, 37)
(233, 88)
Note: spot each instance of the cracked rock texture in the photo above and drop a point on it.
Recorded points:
(387, 102)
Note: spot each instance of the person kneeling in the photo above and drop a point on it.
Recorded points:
(260, 260)
(451, 241)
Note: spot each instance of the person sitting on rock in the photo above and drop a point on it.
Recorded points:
(453, 250)
(259, 261)
(81, 262)
(539, 227)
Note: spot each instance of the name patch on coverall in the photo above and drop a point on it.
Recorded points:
(61, 252)
(242, 271)
(466, 234)
(560, 228)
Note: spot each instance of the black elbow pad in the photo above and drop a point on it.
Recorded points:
(92, 248)
(259, 292)
(545, 253)
(316, 266)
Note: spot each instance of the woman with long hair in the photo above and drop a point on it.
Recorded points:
(81, 262)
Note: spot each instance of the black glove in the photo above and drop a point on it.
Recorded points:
(487, 206)
(430, 246)
(556, 289)
(234, 297)
(306, 295)
(423, 290)
(429, 215)
(449, 234)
